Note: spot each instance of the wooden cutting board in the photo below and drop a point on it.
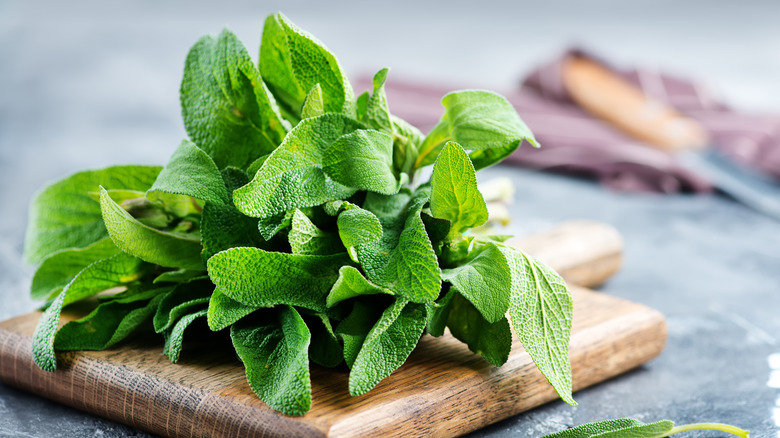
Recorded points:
(443, 389)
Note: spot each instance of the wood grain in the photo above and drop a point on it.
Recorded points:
(442, 390)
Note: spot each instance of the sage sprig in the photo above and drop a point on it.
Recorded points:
(292, 218)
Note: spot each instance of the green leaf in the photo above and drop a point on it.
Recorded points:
(109, 323)
(292, 62)
(482, 122)
(313, 106)
(362, 159)
(306, 238)
(618, 428)
(438, 312)
(377, 114)
(191, 172)
(227, 110)
(261, 278)
(63, 215)
(292, 177)
(484, 279)
(118, 270)
(630, 428)
(223, 226)
(182, 300)
(276, 358)
(174, 336)
(350, 284)
(541, 307)
(325, 348)
(454, 192)
(224, 311)
(491, 340)
(354, 329)
(404, 260)
(357, 226)
(173, 250)
(59, 268)
(406, 140)
(269, 226)
(387, 345)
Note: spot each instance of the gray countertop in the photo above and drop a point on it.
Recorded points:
(89, 84)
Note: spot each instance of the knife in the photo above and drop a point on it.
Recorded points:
(608, 96)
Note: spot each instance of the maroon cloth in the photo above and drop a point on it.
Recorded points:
(575, 142)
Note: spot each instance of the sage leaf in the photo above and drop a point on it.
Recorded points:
(174, 336)
(276, 357)
(350, 284)
(63, 215)
(173, 250)
(292, 62)
(270, 226)
(362, 159)
(454, 192)
(305, 238)
(292, 177)
(325, 348)
(403, 260)
(182, 300)
(377, 114)
(630, 428)
(118, 270)
(492, 340)
(482, 122)
(222, 225)
(108, 324)
(227, 109)
(313, 106)
(190, 171)
(261, 278)
(224, 311)
(179, 276)
(354, 329)
(356, 227)
(387, 345)
(541, 307)
(619, 428)
(484, 279)
(59, 268)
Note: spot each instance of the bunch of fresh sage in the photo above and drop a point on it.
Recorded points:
(293, 218)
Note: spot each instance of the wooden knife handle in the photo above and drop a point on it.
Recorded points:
(585, 253)
(606, 95)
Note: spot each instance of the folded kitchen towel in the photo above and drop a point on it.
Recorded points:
(574, 141)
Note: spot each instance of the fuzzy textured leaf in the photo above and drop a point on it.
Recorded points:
(362, 159)
(190, 171)
(63, 215)
(541, 307)
(351, 284)
(292, 177)
(109, 323)
(484, 279)
(224, 311)
(454, 192)
(618, 428)
(102, 275)
(173, 250)
(292, 62)
(182, 300)
(226, 107)
(387, 345)
(276, 357)
(482, 122)
(174, 336)
(492, 340)
(305, 238)
(59, 268)
(261, 278)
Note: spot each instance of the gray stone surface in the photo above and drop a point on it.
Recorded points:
(86, 84)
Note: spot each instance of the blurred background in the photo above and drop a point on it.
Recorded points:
(87, 84)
